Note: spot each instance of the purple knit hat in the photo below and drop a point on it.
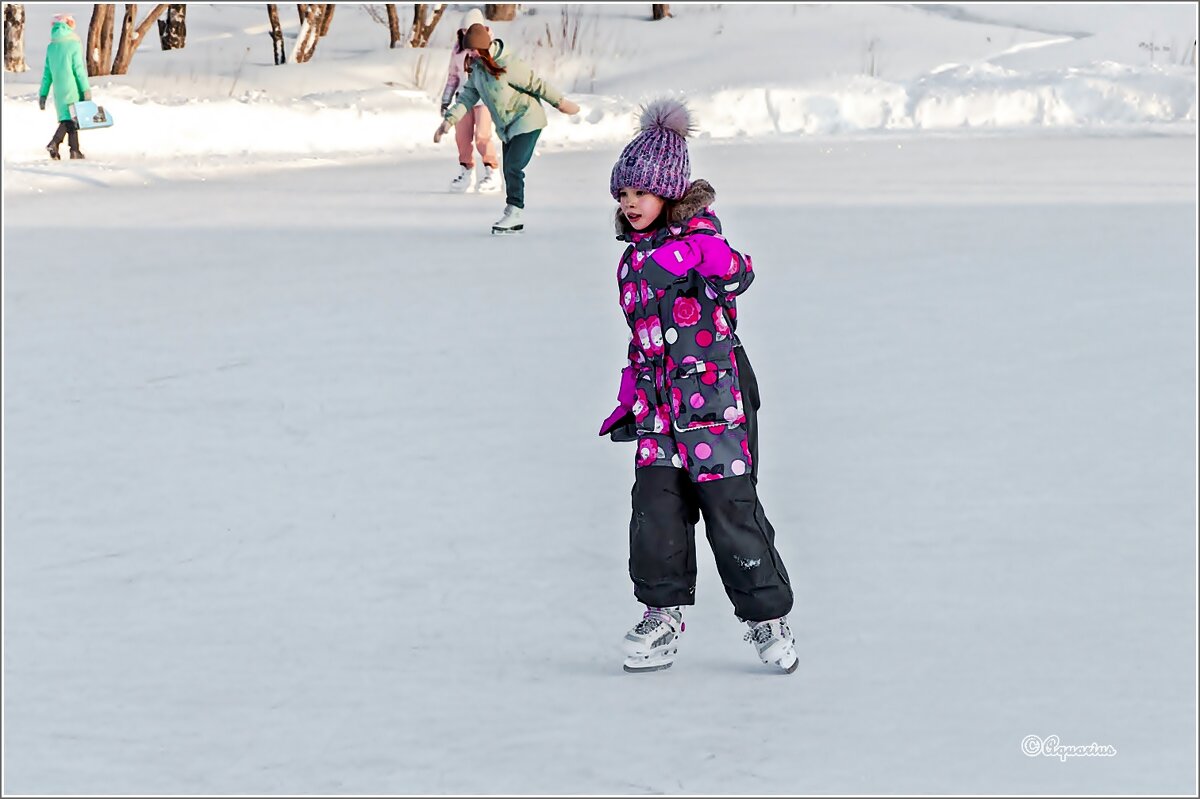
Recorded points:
(657, 159)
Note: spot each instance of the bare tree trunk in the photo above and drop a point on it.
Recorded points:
(326, 18)
(500, 11)
(99, 47)
(306, 42)
(14, 38)
(393, 25)
(106, 38)
(172, 31)
(422, 29)
(310, 30)
(659, 11)
(276, 34)
(91, 52)
(125, 40)
(132, 36)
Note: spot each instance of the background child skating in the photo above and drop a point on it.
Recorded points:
(513, 94)
(474, 131)
(66, 73)
(688, 398)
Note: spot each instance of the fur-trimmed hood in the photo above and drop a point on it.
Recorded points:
(700, 195)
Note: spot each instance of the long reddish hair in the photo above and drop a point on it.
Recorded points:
(485, 57)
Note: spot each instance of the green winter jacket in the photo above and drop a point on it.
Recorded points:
(513, 98)
(64, 69)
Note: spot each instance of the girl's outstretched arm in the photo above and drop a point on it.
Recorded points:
(728, 270)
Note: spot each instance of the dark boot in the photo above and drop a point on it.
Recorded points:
(76, 155)
(63, 130)
(72, 137)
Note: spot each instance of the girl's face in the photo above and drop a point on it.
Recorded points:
(640, 207)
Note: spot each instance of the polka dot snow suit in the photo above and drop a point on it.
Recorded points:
(692, 415)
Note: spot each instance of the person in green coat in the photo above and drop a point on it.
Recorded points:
(65, 71)
(513, 95)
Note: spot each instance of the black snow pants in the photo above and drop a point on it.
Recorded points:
(662, 533)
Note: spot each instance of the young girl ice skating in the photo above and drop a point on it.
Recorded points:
(688, 398)
(513, 94)
(475, 128)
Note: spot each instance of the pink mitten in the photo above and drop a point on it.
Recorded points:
(626, 394)
(615, 419)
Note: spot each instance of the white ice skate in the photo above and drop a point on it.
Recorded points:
(510, 222)
(774, 641)
(490, 182)
(465, 181)
(652, 643)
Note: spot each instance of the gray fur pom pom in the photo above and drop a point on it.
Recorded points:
(669, 114)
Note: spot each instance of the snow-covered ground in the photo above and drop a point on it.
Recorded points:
(750, 71)
(302, 492)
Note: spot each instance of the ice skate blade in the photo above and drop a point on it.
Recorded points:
(779, 665)
(656, 661)
(507, 231)
(780, 661)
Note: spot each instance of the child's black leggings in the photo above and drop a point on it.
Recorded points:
(67, 128)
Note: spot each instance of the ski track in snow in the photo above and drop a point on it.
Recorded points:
(1020, 48)
(968, 14)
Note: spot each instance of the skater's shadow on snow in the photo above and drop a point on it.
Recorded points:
(87, 180)
(691, 669)
(745, 669)
(468, 196)
(605, 666)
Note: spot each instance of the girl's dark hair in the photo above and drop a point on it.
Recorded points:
(485, 57)
(661, 221)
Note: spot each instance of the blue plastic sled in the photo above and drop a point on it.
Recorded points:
(89, 116)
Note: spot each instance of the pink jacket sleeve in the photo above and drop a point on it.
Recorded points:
(455, 75)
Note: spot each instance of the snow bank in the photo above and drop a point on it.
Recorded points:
(845, 70)
(382, 121)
